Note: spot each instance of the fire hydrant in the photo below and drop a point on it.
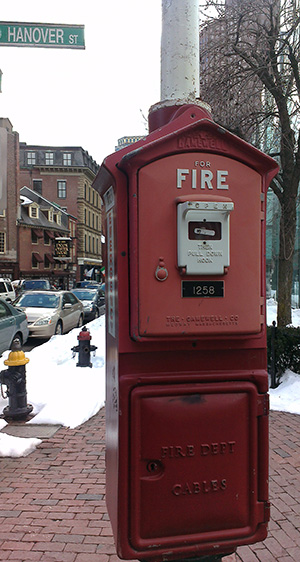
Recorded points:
(14, 378)
(84, 348)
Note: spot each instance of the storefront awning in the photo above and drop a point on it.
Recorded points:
(38, 232)
(50, 234)
(37, 257)
(50, 258)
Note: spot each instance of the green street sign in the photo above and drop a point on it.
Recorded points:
(53, 35)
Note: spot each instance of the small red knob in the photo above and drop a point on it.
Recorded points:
(161, 272)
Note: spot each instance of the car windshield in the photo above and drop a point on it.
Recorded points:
(28, 285)
(39, 301)
(85, 295)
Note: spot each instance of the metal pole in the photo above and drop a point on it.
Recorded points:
(180, 82)
(180, 50)
(273, 355)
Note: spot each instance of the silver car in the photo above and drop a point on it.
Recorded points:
(50, 312)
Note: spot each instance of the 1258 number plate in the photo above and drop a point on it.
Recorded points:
(202, 289)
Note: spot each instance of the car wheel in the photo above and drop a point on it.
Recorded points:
(97, 313)
(58, 329)
(17, 338)
(80, 321)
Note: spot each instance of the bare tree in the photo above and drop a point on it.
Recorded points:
(250, 52)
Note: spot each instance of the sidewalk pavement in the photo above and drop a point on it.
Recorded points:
(52, 503)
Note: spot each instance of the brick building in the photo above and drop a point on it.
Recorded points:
(64, 175)
(42, 227)
(9, 199)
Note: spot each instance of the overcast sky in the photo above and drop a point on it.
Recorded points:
(90, 97)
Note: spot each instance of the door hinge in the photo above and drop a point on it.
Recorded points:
(263, 405)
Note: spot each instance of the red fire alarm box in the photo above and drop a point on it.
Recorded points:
(187, 403)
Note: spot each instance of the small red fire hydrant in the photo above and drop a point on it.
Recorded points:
(14, 378)
(84, 348)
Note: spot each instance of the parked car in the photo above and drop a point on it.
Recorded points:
(93, 301)
(50, 312)
(13, 325)
(7, 291)
(34, 285)
(87, 283)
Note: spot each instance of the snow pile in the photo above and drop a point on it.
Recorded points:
(59, 392)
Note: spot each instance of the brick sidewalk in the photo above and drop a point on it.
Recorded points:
(52, 504)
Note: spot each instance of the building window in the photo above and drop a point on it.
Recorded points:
(58, 218)
(46, 262)
(61, 189)
(37, 186)
(47, 239)
(2, 243)
(34, 238)
(34, 262)
(49, 158)
(34, 212)
(50, 215)
(67, 158)
(31, 158)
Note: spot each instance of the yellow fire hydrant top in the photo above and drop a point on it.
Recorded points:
(16, 358)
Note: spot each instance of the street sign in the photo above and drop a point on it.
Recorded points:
(53, 35)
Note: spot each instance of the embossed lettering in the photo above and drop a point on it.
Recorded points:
(217, 448)
(202, 140)
(205, 487)
(175, 452)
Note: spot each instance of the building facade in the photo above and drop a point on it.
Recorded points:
(127, 141)
(9, 199)
(43, 228)
(64, 175)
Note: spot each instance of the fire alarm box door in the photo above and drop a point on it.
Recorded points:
(202, 225)
(194, 241)
(194, 464)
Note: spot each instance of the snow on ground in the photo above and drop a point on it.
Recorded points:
(286, 397)
(64, 394)
(59, 391)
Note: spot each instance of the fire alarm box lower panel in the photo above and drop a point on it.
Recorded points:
(196, 251)
(194, 465)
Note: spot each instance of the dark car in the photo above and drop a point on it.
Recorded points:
(34, 285)
(13, 325)
(87, 284)
(93, 300)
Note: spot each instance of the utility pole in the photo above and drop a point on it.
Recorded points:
(180, 80)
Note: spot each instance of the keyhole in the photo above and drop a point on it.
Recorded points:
(152, 466)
